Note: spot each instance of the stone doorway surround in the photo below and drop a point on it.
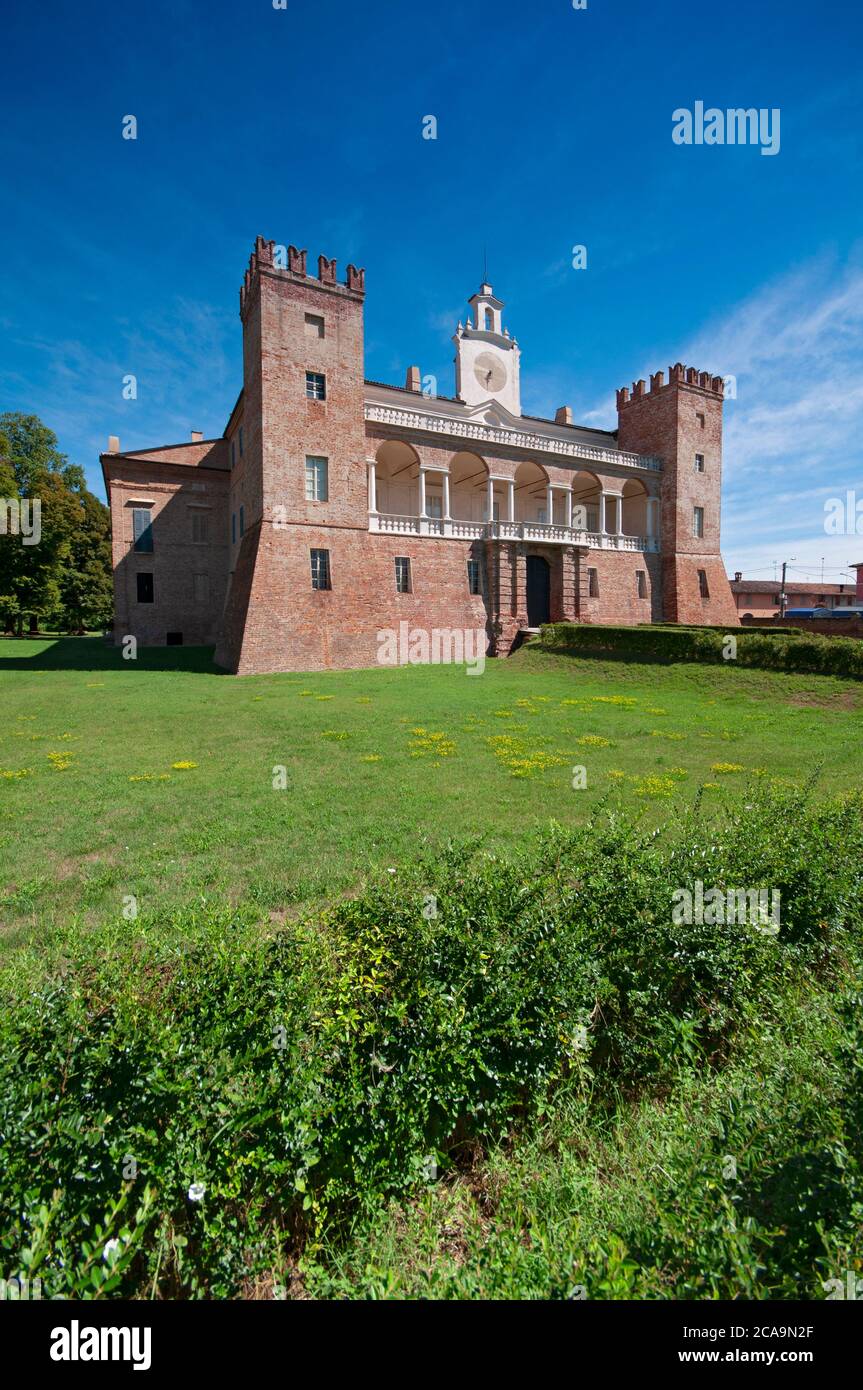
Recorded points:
(506, 567)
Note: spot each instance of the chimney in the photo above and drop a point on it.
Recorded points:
(563, 415)
(412, 380)
(113, 444)
(738, 575)
(197, 436)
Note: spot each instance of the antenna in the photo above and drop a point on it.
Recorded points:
(484, 266)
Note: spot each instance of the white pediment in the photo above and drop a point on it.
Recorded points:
(491, 412)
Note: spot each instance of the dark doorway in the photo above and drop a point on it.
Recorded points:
(538, 591)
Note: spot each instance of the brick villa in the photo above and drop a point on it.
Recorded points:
(333, 507)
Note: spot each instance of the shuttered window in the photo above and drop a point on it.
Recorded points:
(142, 530)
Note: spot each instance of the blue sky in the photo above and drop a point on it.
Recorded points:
(554, 129)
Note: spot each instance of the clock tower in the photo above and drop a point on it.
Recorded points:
(487, 358)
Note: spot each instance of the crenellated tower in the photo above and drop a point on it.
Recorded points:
(301, 463)
(681, 421)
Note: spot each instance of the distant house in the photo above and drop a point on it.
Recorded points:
(759, 598)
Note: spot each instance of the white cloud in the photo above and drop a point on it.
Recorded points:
(793, 434)
(183, 367)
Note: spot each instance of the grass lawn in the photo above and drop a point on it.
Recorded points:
(377, 763)
(549, 1085)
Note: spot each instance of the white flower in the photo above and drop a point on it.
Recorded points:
(110, 1247)
(196, 1191)
(390, 871)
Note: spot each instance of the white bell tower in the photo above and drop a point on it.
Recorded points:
(487, 358)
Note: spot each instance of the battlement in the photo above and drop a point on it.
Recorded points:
(678, 375)
(269, 258)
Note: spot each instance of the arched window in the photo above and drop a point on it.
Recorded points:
(489, 321)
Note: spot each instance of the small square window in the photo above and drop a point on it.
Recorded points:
(316, 386)
(474, 580)
(145, 587)
(174, 639)
(699, 463)
(641, 583)
(698, 522)
(317, 479)
(314, 326)
(403, 574)
(321, 569)
(142, 530)
(200, 527)
(593, 583)
(703, 587)
(699, 419)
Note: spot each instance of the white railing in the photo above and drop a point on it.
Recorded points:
(426, 526)
(538, 531)
(400, 418)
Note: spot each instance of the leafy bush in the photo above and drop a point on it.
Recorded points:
(780, 649)
(300, 1077)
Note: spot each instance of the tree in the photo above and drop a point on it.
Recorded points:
(86, 583)
(67, 575)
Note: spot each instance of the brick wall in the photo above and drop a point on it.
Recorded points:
(275, 621)
(172, 490)
(830, 627)
(618, 601)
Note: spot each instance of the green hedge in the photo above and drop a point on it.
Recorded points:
(717, 627)
(788, 650)
(301, 1077)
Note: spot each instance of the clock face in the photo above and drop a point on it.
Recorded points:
(490, 372)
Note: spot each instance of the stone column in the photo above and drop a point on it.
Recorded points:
(569, 506)
(603, 513)
(446, 515)
(422, 511)
(510, 500)
(549, 504)
(373, 488)
(491, 499)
